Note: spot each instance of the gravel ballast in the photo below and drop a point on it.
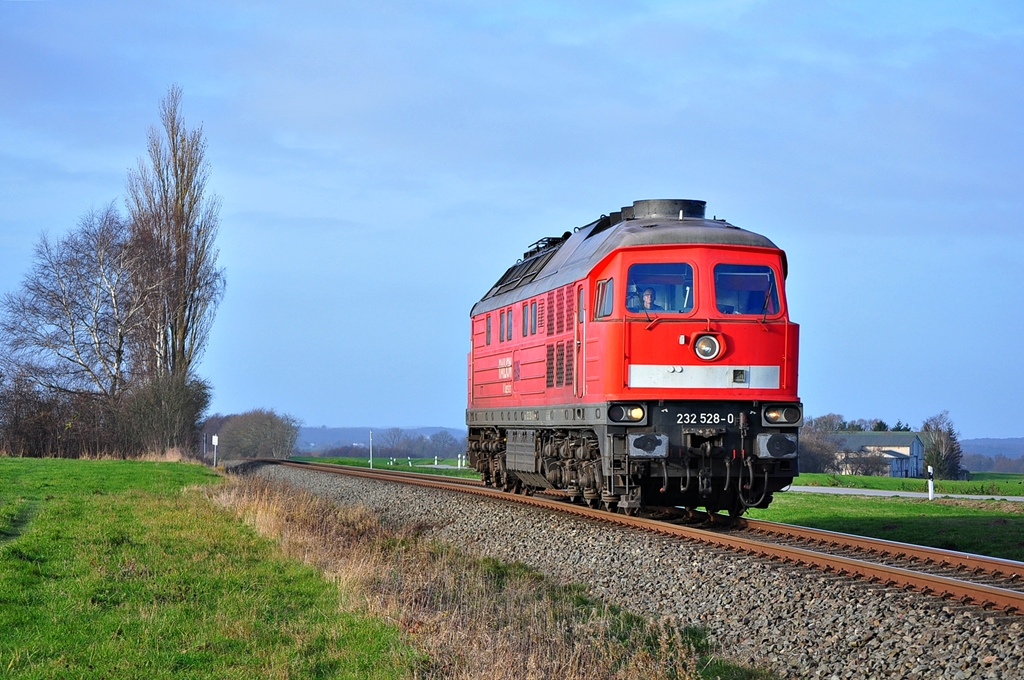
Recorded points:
(798, 622)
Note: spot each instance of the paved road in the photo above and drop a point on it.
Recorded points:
(843, 491)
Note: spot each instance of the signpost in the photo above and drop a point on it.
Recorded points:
(214, 442)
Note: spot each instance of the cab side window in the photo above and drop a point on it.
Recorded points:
(604, 300)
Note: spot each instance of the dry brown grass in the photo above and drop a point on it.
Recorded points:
(473, 618)
(166, 456)
(1007, 507)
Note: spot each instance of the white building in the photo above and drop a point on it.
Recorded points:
(904, 451)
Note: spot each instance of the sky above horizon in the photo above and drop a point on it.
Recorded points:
(381, 164)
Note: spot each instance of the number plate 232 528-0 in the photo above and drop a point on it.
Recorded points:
(706, 419)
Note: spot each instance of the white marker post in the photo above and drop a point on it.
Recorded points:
(371, 449)
(213, 440)
(931, 484)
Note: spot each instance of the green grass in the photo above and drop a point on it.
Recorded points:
(111, 569)
(401, 465)
(983, 527)
(980, 484)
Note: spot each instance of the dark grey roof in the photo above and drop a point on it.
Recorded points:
(577, 255)
(855, 441)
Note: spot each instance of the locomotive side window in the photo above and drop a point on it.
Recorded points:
(488, 329)
(605, 298)
(526, 318)
(501, 326)
(533, 318)
(746, 289)
(665, 287)
(508, 332)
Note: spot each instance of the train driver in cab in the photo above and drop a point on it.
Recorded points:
(645, 302)
(648, 301)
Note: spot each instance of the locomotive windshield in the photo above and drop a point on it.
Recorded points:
(746, 289)
(666, 287)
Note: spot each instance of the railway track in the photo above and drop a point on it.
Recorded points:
(988, 582)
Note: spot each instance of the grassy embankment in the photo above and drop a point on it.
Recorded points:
(112, 569)
(980, 484)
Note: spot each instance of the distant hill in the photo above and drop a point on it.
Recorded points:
(319, 438)
(1011, 448)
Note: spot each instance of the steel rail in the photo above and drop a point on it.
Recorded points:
(1009, 601)
(938, 556)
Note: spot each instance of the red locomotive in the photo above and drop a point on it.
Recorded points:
(646, 359)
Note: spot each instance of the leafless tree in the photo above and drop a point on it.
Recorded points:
(175, 223)
(830, 422)
(444, 444)
(392, 439)
(260, 433)
(868, 463)
(942, 446)
(818, 452)
(69, 327)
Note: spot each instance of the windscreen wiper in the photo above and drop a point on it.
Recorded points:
(767, 298)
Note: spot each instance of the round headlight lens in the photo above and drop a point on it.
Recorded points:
(626, 413)
(707, 347)
(782, 415)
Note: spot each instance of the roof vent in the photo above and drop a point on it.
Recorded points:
(673, 209)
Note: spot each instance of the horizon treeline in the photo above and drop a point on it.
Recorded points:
(99, 344)
(395, 442)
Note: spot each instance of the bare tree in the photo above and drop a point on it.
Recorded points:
(260, 433)
(867, 463)
(70, 325)
(830, 422)
(444, 444)
(818, 452)
(942, 446)
(392, 439)
(175, 223)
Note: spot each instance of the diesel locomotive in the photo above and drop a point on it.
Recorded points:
(643, 360)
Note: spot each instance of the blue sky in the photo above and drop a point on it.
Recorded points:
(381, 164)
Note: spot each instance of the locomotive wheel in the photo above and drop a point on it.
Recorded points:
(630, 512)
(736, 507)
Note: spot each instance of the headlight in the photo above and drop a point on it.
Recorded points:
(783, 414)
(626, 413)
(707, 347)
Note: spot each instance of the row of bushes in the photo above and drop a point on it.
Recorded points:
(160, 415)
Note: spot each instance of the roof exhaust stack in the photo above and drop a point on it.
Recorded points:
(671, 209)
